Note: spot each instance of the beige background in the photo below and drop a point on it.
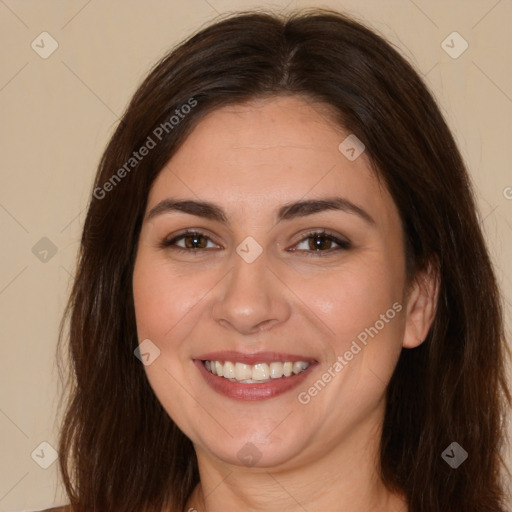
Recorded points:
(58, 113)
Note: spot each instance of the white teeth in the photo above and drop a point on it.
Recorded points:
(276, 370)
(260, 372)
(243, 371)
(229, 370)
(299, 366)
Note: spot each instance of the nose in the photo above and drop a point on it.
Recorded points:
(252, 298)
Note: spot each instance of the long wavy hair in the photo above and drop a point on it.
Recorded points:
(118, 448)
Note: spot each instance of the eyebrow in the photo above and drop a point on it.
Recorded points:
(288, 211)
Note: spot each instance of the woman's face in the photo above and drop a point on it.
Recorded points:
(254, 286)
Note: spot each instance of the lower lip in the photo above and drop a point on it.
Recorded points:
(249, 392)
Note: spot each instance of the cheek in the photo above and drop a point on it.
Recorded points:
(163, 307)
(363, 309)
(353, 299)
(361, 304)
(162, 299)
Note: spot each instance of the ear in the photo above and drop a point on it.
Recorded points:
(421, 306)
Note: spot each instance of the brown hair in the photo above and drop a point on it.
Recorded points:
(119, 450)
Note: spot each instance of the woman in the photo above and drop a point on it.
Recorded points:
(283, 299)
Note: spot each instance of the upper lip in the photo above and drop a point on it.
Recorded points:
(253, 357)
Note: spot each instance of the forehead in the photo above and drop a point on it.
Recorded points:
(268, 127)
(263, 153)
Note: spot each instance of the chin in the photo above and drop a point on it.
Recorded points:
(258, 447)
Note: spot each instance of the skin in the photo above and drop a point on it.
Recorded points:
(250, 160)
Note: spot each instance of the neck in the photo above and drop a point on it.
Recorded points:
(342, 478)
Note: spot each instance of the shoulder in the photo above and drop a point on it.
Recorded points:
(62, 508)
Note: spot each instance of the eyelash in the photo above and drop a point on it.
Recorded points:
(344, 244)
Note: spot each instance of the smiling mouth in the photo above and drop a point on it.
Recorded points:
(259, 373)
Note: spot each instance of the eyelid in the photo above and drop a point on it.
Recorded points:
(168, 242)
(342, 242)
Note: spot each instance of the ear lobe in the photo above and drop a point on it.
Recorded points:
(421, 306)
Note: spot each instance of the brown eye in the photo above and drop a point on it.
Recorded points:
(321, 242)
(192, 241)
